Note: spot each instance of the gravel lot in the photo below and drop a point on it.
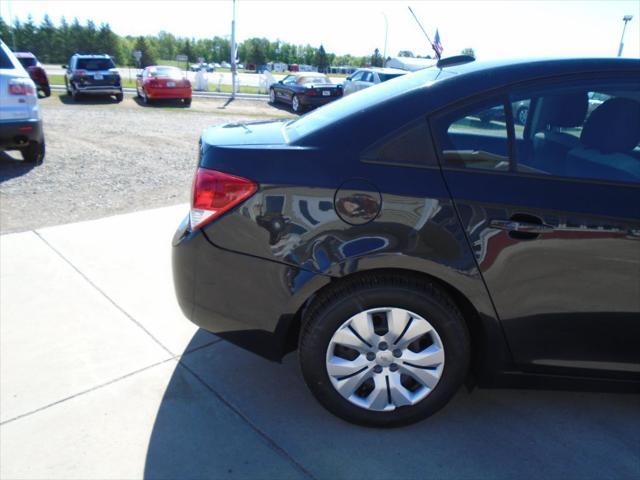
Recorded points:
(105, 158)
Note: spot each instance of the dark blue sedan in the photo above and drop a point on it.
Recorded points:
(403, 246)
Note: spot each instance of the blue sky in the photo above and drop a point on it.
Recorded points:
(495, 29)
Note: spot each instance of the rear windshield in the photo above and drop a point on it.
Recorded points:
(165, 72)
(388, 76)
(95, 64)
(27, 62)
(335, 111)
(5, 62)
(318, 79)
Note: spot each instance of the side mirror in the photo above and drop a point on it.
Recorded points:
(279, 81)
(138, 75)
(348, 78)
(65, 67)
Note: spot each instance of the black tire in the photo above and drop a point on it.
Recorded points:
(66, 85)
(119, 97)
(75, 95)
(46, 91)
(187, 102)
(332, 309)
(272, 96)
(138, 93)
(34, 153)
(296, 106)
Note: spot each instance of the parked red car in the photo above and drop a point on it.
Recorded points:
(35, 70)
(162, 82)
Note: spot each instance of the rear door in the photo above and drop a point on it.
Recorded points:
(552, 213)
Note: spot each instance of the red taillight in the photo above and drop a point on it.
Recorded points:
(312, 92)
(215, 193)
(21, 87)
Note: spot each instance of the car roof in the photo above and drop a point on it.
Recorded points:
(382, 70)
(540, 66)
(91, 55)
(308, 74)
(151, 67)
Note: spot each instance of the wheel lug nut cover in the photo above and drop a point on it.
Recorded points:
(377, 369)
(397, 353)
(383, 346)
(371, 356)
(393, 367)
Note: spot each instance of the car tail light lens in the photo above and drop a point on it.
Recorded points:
(214, 193)
(312, 92)
(20, 86)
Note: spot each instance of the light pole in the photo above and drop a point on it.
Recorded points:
(625, 19)
(386, 31)
(233, 52)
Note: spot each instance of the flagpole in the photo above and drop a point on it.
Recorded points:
(425, 33)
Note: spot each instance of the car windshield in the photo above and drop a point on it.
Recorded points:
(335, 111)
(388, 76)
(93, 64)
(27, 62)
(314, 79)
(170, 72)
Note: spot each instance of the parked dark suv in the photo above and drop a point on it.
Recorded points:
(92, 75)
(403, 246)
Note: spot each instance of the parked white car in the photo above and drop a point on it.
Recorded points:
(366, 77)
(20, 121)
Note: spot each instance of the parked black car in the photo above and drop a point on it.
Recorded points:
(92, 75)
(304, 90)
(403, 246)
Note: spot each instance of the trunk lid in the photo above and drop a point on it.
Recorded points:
(245, 133)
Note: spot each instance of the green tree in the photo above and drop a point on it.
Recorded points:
(376, 58)
(469, 51)
(321, 60)
(149, 55)
(406, 53)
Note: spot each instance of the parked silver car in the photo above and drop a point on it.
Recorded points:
(366, 77)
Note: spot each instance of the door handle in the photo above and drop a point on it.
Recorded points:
(523, 227)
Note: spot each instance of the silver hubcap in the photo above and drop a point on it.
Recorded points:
(385, 358)
(295, 104)
(272, 96)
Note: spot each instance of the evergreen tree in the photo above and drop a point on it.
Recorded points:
(149, 55)
(376, 58)
(321, 60)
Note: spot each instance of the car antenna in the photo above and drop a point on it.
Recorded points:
(425, 34)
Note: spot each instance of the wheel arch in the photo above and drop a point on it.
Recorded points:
(489, 351)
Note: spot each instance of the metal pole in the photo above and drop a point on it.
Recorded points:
(233, 52)
(625, 19)
(386, 31)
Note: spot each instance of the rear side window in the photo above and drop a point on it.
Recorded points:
(5, 62)
(94, 64)
(474, 137)
(27, 62)
(388, 76)
(588, 130)
(410, 146)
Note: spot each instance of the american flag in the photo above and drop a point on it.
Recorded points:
(437, 46)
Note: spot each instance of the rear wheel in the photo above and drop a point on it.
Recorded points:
(119, 97)
(33, 153)
(272, 96)
(384, 350)
(295, 104)
(187, 101)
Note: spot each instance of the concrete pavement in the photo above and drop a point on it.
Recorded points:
(102, 377)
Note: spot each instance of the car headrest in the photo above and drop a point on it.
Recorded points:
(614, 126)
(566, 110)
